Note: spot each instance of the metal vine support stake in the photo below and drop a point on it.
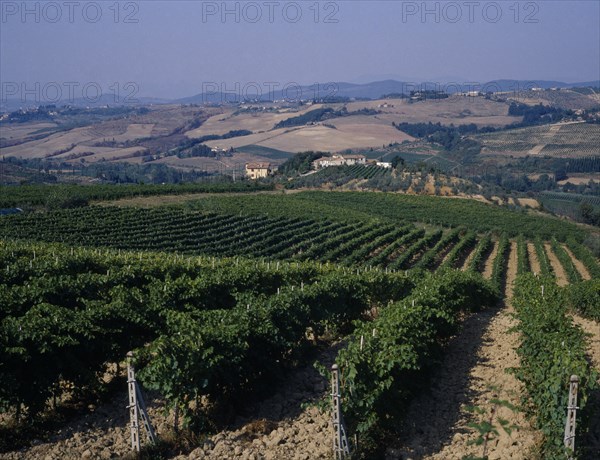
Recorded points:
(137, 408)
(571, 416)
(340, 440)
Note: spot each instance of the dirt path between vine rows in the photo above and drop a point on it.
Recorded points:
(473, 373)
(583, 271)
(534, 262)
(511, 272)
(559, 271)
(489, 263)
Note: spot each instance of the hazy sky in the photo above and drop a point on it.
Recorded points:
(170, 49)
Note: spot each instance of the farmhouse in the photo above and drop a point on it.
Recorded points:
(339, 160)
(258, 170)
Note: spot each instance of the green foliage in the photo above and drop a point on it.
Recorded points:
(192, 232)
(213, 325)
(565, 260)
(500, 262)
(342, 175)
(27, 196)
(585, 257)
(537, 114)
(349, 206)
(312, 116)
(300, 163)
(450, 137)
(540, 250)
(322, 114)
(551, 351)
(482, 250)
(433, 256)
(584, 298)
(408, 257)
(522, 256)
(387, 359)
(583, 208)
(466, 243)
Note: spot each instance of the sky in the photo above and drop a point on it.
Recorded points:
(172, 49)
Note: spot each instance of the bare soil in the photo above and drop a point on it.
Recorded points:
(489, 263)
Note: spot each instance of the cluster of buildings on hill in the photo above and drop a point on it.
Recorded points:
(260, 170)
(347, 160)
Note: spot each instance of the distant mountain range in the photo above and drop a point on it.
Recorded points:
(372, 90)
(377, 89)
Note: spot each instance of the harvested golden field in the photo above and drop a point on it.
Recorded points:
(159, 121)
(256, 122)
(346, 135)
(580, 178)
(17, 131)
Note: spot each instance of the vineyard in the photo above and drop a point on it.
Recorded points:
(225, 299)
(390, 207)
(31, 196)
(568, 140)
(568, 204)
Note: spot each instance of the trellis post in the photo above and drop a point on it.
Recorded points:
(341, 449)
(571, 416)
(137, 408)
